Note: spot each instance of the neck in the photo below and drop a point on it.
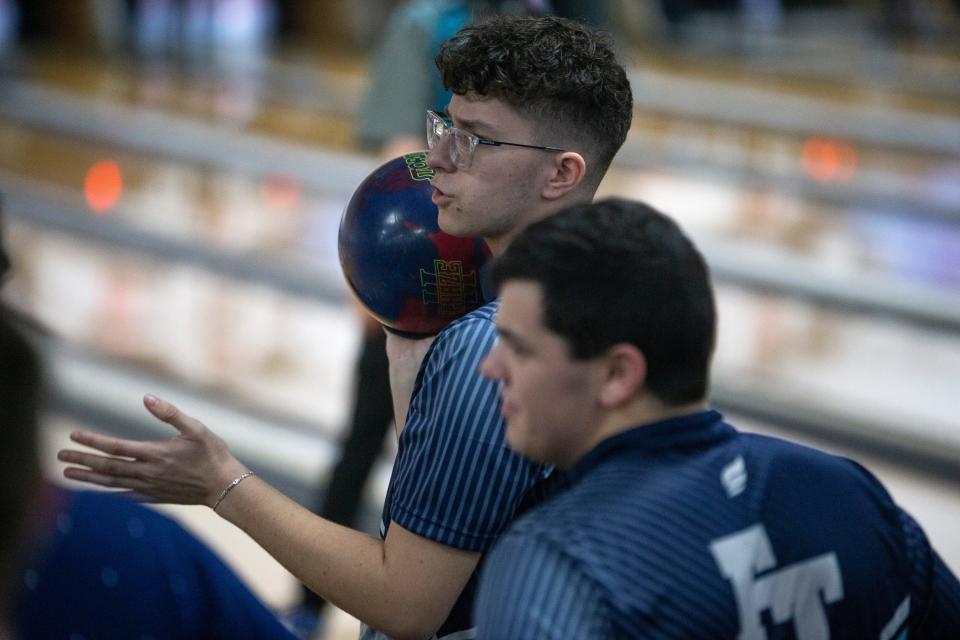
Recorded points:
(500, 243)
(642, 411)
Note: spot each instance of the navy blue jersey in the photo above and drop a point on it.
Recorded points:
(454, 480)
(110, 568)
(688, 529)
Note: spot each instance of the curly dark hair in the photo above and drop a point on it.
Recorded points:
(560, 74)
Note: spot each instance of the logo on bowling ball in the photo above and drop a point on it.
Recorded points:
(417, 164)
(453, 291)
(411, 276)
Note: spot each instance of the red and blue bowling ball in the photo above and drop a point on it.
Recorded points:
(412, 277)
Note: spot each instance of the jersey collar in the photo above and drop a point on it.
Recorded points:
(693, 430)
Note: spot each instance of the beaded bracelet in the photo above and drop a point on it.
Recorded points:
(229, 487)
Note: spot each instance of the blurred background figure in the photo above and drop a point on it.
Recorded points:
(200, 153)
(20, 476)
(18, 443)
(90, 565)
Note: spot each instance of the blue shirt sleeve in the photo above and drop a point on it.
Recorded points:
(109, 568)
(942, 619)
(528, 589)
(455, 481)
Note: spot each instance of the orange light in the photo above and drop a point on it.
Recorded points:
(826, 159)
(102, 186)
(280, 192)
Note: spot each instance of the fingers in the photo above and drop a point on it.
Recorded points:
(114, 473)
(136, 496)
(103, 465)
(115, 446)
(102, 479)
(169, 413)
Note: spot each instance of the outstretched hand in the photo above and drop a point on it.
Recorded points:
(190, 468)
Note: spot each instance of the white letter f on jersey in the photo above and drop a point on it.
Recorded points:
(797, 592)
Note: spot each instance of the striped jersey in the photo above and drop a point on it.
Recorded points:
(686, 528)
(454, 480)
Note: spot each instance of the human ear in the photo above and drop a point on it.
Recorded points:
(567, 172)
(624, 374)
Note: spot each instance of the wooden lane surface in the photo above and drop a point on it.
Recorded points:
(307, 112)
(271, 216)
(888, 75)
(218, 94)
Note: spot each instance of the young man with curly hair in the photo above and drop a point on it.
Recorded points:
(540, 107)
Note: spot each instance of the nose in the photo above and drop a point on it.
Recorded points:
(439, 156)
(492, 366)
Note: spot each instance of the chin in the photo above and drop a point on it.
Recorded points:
(519, 444)
(513, 441)
(447, 224)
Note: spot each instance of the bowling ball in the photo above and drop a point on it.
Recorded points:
(410, 276)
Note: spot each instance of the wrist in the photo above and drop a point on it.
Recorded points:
(230, 487)
(226, 475)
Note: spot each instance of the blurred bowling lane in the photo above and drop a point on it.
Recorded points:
(926, 179)
(209, 331)
(276, 219)
(313, 101)
(212, 331)
(236, 336)
(274, 215)
(304, 98)
(270, 216)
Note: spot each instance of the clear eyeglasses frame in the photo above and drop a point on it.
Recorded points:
(463, 144)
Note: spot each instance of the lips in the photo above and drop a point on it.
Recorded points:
(439, 198)
(508, 409)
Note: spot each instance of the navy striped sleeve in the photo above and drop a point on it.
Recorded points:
(942, 617)
(454, 480)
(529, 589)
(934, 592)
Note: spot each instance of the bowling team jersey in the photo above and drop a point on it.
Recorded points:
(105, 568)
(686, 528)
(454, 480)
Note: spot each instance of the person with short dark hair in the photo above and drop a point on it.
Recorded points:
(83, 564)
(540, 107)
(671, 523)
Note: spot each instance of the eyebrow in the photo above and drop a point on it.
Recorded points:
(511, 338)
(473, 126)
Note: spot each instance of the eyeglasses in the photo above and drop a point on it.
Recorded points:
(463, 144)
